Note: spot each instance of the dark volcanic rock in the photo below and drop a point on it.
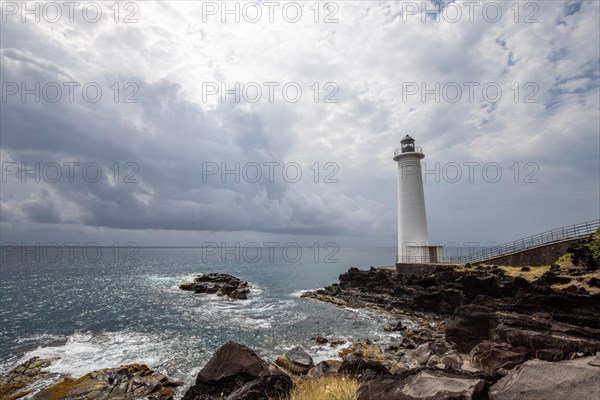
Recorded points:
(397, 327)
(470, 325)
(221, 284)
(473, 324)
(336, 342)
(552, 278)
(363, 368)
(582, 255)
(321, 340)
(235, 372)
(549, 354)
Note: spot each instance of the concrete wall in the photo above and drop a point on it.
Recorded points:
(544, 255)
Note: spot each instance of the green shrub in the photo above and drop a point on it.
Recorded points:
(594, 247)
(566, 260)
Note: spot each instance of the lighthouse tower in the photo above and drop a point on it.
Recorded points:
(413, 237)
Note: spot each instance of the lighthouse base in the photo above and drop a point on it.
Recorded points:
(421, 255)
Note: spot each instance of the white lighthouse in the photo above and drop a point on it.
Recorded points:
(413, 237)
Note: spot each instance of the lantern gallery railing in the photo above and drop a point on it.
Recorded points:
(417, 149)
(566, 232)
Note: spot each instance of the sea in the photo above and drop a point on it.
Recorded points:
(101, 307)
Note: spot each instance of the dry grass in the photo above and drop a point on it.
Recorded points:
(463, 267)
(531, 275)
(331, 387)
(583, 283)
(534, 273)
(565, 263)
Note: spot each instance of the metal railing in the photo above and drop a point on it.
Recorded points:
(412, 260)
(417, 150)
(566, 232)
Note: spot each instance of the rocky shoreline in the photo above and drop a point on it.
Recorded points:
(494, 323)
(483, 303)
(502, 325)
(484, 333)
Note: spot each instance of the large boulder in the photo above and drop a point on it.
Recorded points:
(235, 372)
(544, 380)
(489, 356)
(422, 353)
(426, 385)
(470, 325)
(296, 361)
(450, 360)
(363, 369)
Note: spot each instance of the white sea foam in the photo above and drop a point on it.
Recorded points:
(299, 293)
(85, 352)
(326, 352)
(171, 282)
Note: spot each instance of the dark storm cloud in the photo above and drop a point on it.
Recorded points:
(41, 209)
(168, 146)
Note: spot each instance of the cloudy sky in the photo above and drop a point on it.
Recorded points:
(115, 127)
